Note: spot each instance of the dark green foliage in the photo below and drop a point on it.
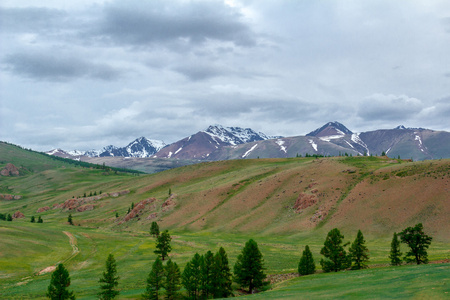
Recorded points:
(109, 280)
(40, 220)
(221, 275)
(57, 290)
(9, 218)
(306, 265)
(206, 271)
(170, 191)
(249, 267)
(336, 257)
(132, 205)
(155, 281)
(163, 244)
(117, 214)
(33, 220)
(69, 219)
(359, 252)
(154, 229)
(192, 276)
(418, 243)
(395, 254)
(172, 282)
(129, 210)
(3, 217)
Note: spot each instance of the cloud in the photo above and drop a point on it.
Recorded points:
(32, 19)
(389, 107)
(172, 23)
(57, 67)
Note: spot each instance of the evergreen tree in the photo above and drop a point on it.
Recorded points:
(192, 276)
(155, 281)
(69, 219)
(359, 252)
(57, 290)
(306, 265)
(221, 275)
(40, 220)
(33, 220)
(163, 244)
(109, 279)
(154, 229)
(172, 283)
(418, 242)
(395, 254)
(206, 274)
(249, 267)
(336, 257)
(9, 218)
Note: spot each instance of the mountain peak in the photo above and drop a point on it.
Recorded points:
(330, 129)
(400, 127)
(235, 135)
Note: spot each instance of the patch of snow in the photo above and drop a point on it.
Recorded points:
(350, 144)
(281, 143)
(332, 137)
(314, 145)
(387, 151)
(181, 148)
(355, 138)
(248, 152)
(170, 154)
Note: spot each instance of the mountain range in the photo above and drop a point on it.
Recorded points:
(223, 143)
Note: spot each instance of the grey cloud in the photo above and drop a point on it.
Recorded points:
(389, 107)
(31, 19)
(145, 23)
(56, 67)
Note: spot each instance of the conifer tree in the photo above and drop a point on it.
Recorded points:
(40, 220)
(57, 290)
(155, 281)
(192, 276)
(172, 282)
(206, 274)
(221, 275)
(154, 229)
(9, 218)
(418, 243)
(69, 219)
(163, 244)
(33, 220)
(109, 279)
(395, 254)
(359, 252)
(249, 267)
(336, 257)
(306, 265)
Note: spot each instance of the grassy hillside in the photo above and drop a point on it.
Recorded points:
(283, 204)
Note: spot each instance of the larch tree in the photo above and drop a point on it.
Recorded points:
(155, 281)
(163, 244)
(109, 281)
(249, 267)
(336, 258)
(359, 252)
(306, 265)
(191, 277)
(172, 282)
(395, 255)
(418, 243)
(60, 281)
(221, 275)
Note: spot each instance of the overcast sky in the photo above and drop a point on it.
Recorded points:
(86, 74)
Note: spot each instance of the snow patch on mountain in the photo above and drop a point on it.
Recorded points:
(314, 145)
(281, 143)
(249, 151)
(234, 135)
(356, 139)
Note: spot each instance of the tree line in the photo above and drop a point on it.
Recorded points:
(209, 276)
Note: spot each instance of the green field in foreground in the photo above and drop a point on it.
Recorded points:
(44, 245)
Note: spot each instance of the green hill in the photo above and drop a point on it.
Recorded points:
(283, 204)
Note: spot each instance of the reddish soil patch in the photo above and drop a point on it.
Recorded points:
(18, 215)
(42, 209)
(10, 197)
(169, 203)
(9, 170)
(138, 209)
(304, 201)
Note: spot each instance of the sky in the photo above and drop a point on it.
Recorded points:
(87, 74)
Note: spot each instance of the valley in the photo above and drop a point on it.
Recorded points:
(282, 203)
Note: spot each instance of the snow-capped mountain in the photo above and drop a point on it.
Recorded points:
(141, 147)
(204, 144)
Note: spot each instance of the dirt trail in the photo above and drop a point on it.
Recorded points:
(73, 243)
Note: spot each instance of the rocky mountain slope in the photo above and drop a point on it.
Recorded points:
(332, 139)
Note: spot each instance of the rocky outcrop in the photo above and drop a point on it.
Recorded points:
(10, 170)
(10, 197)
(169, 203)
(304, 201)
(18, 215)
(138, 209)
(42, 209)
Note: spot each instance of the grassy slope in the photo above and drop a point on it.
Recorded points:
(218, 204)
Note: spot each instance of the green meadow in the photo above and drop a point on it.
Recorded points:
(224, 204)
